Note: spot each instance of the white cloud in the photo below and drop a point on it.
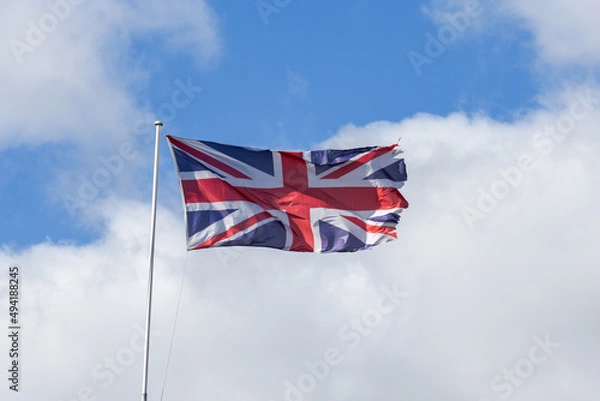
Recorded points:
(72, 80)
(250, 318)
(563, 30)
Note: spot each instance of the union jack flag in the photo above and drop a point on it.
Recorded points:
(317, 201)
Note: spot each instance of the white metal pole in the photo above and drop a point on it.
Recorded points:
(158, 124)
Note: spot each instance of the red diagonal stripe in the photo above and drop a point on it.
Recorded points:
(235, 229)
(359, 162)
(372, 228)
(208, 159)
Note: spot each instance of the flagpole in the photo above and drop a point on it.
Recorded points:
(158, 124)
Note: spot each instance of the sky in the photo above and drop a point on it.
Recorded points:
(488, 294)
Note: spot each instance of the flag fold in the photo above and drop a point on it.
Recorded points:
(315, 201)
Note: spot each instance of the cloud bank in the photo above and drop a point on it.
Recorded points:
(67, 67)
(493, 308)
(486, 296)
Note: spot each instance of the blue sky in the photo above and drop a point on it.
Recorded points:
(290, 83)
(495, 270)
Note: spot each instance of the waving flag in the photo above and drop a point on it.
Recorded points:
(318, 201)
